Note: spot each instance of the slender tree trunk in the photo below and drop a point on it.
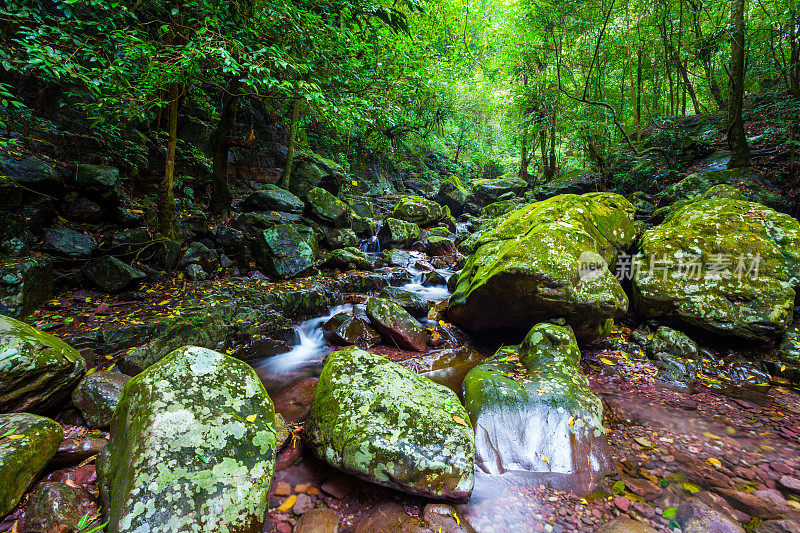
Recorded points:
(737, 141)
(543, 147)
(637, 110)
(794, 54)
(221, 193)
(287, 169)
(166, 211)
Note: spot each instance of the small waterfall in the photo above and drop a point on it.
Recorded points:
(372, 245)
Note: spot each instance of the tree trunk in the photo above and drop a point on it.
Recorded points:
(287, 169)
(737, 141)
(166, 211)
(221, 193)
(637, 110)
(794, 54)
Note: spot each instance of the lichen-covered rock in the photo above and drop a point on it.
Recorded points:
(326, 208)
(418, 210)
(284, 252)
(349, 258)
(97, 395)
(270, 197)
(533, 410)
(724, 239)
(22, 458)
(192, 448)
(110, 274)
(69, 243)
(531, 265)
(717, 191)
(453, 194)
(25, 284)
(312, 170)
(346, 330)
(56, 506)
(37, 370)
(396, 325)
(385, 424)
(672, 342)
(396, 232)
(340, 238)
(487, 191)
(575, 182)
(438, 246)
(410, 301)
(750, 184)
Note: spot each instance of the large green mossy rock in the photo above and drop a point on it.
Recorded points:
(37, 370)
(488, 191)
(383, 423)
(397, 233)
(418, 210)
(714, 235)
(396, 325)
(453, 194)
(530, 265)
(284, 252)
(35, 441)
(326, 208)
(749, 183)
(533, 410)
(192, 448)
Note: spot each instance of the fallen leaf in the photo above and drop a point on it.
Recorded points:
(459, 420)
(251, 418)
(714, 462)
(287, 503)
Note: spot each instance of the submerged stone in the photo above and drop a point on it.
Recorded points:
(533, 410)
(192, 448)
(37, 370)
(547, 260)
(383, 423)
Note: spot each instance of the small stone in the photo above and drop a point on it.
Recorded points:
(622, 503)
(303, 504)
(644, 488)
(283, 489)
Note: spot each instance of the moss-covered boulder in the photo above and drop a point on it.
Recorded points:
(97, 395)
(396, 325)
(397, 233)
(408, 300)
(110, 274)
(349, 258)
(326, 208)
(534, 264)
(29, 442)
(705, 259)
(345, 329)
(312, 170)
(192, 447)
(385, 424)
(37, 370)
(533, 410)
(751, 185)
(284, 252)
(418, 210)
(25, 284)
(717, 191)
(440, 246)
(575, 182)
(270, 197)
(487, 191)
(453, 194)
(340, 238)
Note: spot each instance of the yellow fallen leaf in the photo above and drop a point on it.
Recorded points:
(15, 437)
(572, 421)
(606, 361)
(459, 420)
(251, 418)
(545, 459)
(711, 436)
(287, 503)
(713, 461)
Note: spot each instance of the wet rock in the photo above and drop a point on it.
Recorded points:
(346, 330)
(432, 279)
(97, 395)
(192, 447)
(438, 246)
(360, 282)
(533, 410)
(410, 301)
(402, 258)
(195, 272)
(362, 226)
(725, 232)
(779, 526)
(127, 242)
(25, 284)
(624, 524)
(696, 517)
(385, 424)
(547, 260)
(110, 274)
(443, 518)
(320, 520)
(37, 370)
(32, 173)
(397, 233)
(270, 197)
(80, 209)
(453, 194)
(72, 452)
(395, 325)
(751, 504)
(22, 459)
(790, 483)
(446, 367)
(418, 210)
(669, 341)
(313, 170)
(55, 506)
(283, 252)
(644, 488)
(340, 238)
(389, 517)
(347, 259)
(326, 208)
(69, 243)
